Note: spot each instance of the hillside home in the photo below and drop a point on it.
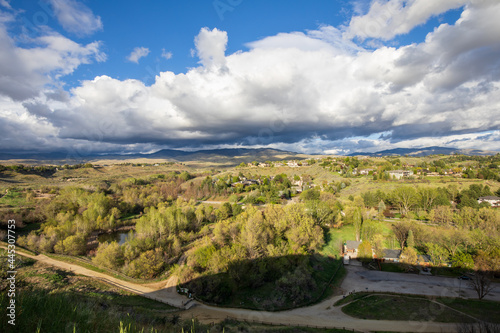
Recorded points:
(391, 255)
(398, 174)
(492, 200)
(351, 248)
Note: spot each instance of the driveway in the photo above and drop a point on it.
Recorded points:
(361, 279)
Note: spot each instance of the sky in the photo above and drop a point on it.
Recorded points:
(316, 76)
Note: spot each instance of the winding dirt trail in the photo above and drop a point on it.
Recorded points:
(323, 314)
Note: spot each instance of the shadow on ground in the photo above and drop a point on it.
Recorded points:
(271, 284)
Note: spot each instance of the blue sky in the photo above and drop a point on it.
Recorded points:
(170, 27)
(310, 76)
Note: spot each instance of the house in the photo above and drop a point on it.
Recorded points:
(365, 172)
(424, 260)
(398, 174)
(292, 164)
(391, 255)
(492, 200)
(351, 249)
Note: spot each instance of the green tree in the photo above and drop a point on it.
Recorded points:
(410, 241)
(185, 176)
(310, 194)
(109, 255)
(405, 198)
(463, 261)
(439, 255)
(441, 215)
(74, 245)
(409, 255)
(148, 265)
(365, 251)
(381, 206)
(426, 197)
(225, 211)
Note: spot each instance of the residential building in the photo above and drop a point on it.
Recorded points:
(398, 174)
(492, 200)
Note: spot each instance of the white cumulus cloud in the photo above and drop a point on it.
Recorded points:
(137, 54)
(315, 91)
(75, 17)
(389, 18)
(211, 47)
(25, 71)
(166, 54)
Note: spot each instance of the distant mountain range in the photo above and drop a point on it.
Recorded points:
(419, 152)
(215, 155)
(232, 155)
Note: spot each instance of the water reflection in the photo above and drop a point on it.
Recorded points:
(118, 236)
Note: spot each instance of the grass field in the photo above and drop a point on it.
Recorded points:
(480, 309)
(335, 238)
(415, 308)
(402, 308)
(13, 199)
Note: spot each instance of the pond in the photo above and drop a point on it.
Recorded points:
(120, 236)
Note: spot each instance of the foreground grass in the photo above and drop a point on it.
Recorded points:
(416, 308)
(52, 300)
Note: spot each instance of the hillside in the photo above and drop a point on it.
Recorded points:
(421, 152)
(226, 156)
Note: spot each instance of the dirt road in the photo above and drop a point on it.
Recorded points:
(323, 314)
(162, 291)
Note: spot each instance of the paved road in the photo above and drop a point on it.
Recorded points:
(360, 279)
(323, 314)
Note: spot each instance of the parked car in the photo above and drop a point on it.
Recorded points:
(464, 277)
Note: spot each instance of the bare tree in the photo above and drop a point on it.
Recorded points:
(481, 283)
(400, 230)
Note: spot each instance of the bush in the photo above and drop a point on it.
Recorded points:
(109, 255)
(147, 266)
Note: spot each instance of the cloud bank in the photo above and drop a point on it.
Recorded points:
(314, 92)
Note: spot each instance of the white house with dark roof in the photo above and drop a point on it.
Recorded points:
(391, 255)
(492, 200)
